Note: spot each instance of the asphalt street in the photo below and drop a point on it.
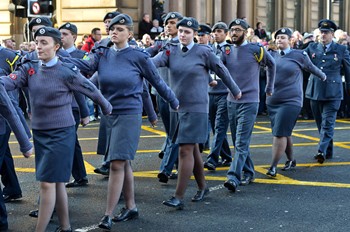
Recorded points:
(313, 197)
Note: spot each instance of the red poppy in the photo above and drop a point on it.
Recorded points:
(313, 55)
(227, 50)
(31, 71)
(13, 76)
(167, 52)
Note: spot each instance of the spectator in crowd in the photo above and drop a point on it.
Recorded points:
(259, 31)
(8, 43)
(156, 29)
(145, 25)
(32, 46)
(95, 36)
(296, 40)
(146, 41)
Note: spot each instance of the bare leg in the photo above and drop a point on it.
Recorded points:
(46, 205)
(278, 148)
(289, 149)
(115, 184)
(198, 170)
(186, 164)
(128, 188)
(62, 206)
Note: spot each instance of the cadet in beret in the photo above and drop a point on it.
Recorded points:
(334, 60)
(80, 110)
(218, 107)
(36, 23)
(188, 64)
(50, 83)
(244, 61)
(121, 70)
(170, 150)
(285, 104)
(204, 34)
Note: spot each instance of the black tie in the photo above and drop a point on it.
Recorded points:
(184, 49)
(282, 53)
(324, 48)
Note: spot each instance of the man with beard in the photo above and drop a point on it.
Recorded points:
(244, 60)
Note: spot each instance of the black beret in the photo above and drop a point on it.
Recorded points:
(111, 15)
(48, 31)
(188, 22)
(69, 26)
(204, 29)
(220, 25)
(121, 19)
(45, 21)
(239, 22)
(327, 25)
(172, 15)
(285, 31)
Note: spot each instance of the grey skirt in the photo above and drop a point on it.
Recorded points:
(189, 127)
(54, 151)
(283, 119)
(123, 134)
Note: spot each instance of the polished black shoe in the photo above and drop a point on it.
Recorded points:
(209, 166)
(200, 195)
(173, 175)
(247, 180)
(103, 170)
(13, 197)
(126, 215)
(163, 177)
(105, 223)
(77, 183)
(230, 185)
(59, 229)
(272, 172)
(161, 154)
(226, 163)
(174, 202)
(289, 165)
(320, 157)
(35, 213)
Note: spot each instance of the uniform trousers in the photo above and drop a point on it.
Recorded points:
(325, 114)
(242, 118)
(219, 122)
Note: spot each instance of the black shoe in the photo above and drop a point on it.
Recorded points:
(226, 163)
(59, 229)
(126, 215)
(163, 177)
(320, 157)
(173, 175)
(289, 165)
(13, 197)
(103, 170)
(35, 213)
(209, 166)
(105, 223)
(161, 154)
(174, 202)
(246, 180)
(200, 195)
(230, 185)
(77, 183)
(272, 171)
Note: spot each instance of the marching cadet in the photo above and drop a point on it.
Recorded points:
(69, 34)
(188, 64)
(325, 96)
(50, 83)
(170, 150)
(218, 107)
(243, 61)
(285, 104)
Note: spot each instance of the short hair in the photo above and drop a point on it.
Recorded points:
(93, 31)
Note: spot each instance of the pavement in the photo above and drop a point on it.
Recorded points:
(313, 197)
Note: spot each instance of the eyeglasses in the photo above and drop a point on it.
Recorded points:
(236, 30)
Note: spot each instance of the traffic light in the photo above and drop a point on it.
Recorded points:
(40, 8)
(19, 8)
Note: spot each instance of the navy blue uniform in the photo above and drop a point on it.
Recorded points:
(326, 96)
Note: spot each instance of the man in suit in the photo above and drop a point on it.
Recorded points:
(334, 60)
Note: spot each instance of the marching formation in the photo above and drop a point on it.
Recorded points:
(205, 80)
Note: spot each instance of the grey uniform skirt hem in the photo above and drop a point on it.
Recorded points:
(283, 119)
